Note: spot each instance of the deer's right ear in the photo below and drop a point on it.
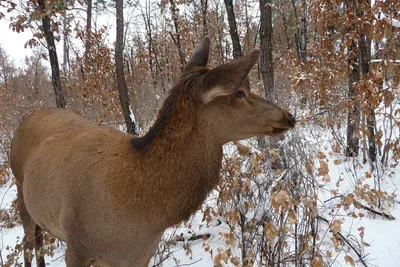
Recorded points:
(199, 57)
(226, 78)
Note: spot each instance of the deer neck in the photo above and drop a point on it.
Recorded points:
(183, 166)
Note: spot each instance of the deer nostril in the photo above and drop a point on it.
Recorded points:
(292, 118)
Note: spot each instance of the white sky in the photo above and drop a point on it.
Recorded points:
(13, 42)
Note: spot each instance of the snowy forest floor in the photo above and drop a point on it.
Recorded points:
(380, 237)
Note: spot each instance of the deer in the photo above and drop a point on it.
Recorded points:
(110, 195)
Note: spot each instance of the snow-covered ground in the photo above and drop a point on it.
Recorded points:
(381, 236)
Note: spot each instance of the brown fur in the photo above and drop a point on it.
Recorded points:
(109, 195)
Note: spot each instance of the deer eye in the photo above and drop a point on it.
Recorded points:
(240, 94)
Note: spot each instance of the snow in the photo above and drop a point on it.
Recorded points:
(395, 23)
(381, 234)
(385, 61)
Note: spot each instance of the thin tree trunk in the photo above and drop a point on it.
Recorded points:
(65, 41)
(246, 43)
(119, 68)
(220, 21)
(147, 24)
(303, 33)
(353, 119)
(88, 41)
(51, 47)
(204, 7)
(177, 37)
(266, 64)
(267, 74)
(297, 33)
(237, 49)
(365, 58)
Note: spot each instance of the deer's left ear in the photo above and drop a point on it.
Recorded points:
(226, 78)
(199, 57)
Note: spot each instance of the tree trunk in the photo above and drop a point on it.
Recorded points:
(177, 37)
(365, 58)
(147, 25)
(353, 119)
(88, 41)
(220, 20)
(266, 64)
(204, 6)
(65, 41)
(267, 74)
(51, 47)
(237, 49)
(303, 33)
(119, 68)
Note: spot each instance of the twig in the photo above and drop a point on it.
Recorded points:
(387, 216)
(332, 198)
(359, 205)
(192, 238)
(188, 264)
(315, 115)
(343, 239)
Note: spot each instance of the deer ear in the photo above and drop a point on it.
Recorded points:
(226, 78)
(199, 57)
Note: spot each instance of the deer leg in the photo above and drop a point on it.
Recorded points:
(29, 228)
(38, 245)
(74, 256)
(147, 264)
(28, 246)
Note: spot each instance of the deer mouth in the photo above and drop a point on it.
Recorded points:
(279, 131)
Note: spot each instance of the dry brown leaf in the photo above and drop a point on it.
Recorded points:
(350, 260)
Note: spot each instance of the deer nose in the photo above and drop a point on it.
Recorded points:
(292, 118)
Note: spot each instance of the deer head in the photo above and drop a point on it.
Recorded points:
(226, 108)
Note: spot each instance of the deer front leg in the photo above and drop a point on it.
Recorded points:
(74, 255)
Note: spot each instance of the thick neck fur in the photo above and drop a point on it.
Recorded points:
(179, 161)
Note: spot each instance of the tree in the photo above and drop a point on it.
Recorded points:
(353, 117)
(365, 58)
(233, 31)
(204, 6)
(237, 49)
(51, 47)
(119, 69)
(177, 36)
(266, 62)
(89, 11)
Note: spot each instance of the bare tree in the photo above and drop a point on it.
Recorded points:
(237, 49)
(266, 64)
(303, 32)
(353, 117)
(89, 10)
(220, 19)
(51, 47)
(177, 36)
(65, 41)
(119, 68)
(204, 7)
(365, 58)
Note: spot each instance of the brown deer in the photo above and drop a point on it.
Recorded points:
(110, 195)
